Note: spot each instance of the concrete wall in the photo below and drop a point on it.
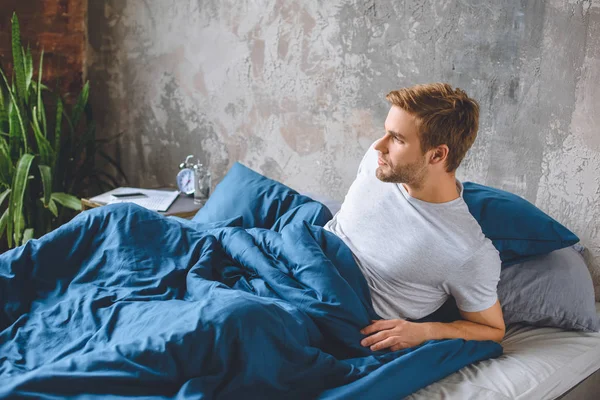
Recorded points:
(295, 89)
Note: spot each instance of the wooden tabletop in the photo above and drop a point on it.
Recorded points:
(183, 206)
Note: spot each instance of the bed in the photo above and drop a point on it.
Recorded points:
(538, 363)
(254, 299)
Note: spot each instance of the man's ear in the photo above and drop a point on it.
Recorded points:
(439, 154)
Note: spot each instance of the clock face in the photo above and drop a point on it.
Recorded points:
(185, 181)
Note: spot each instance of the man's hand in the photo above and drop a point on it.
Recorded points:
(397, 334)
(394, 334)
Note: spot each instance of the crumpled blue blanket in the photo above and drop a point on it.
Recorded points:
(124, 303)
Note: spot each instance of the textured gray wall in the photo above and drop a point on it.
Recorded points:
(295, 89)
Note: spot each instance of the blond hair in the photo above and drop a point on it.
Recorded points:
(444, 116)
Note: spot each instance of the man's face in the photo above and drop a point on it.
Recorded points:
(400, 157)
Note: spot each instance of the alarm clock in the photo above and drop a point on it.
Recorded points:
(185, 177)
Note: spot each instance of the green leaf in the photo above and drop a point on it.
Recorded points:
(15, 205)
(67, 200)
(43, 121)
(43, 145)
(18, 62)
(3, 220)
(80, 105)
(19, 228)
(52, 207)
(44, 87)
(16, 111)
(15, 137)
(40, 106)
(6, 165)
(3, 196)
(27, 235)
(46, 174)
(4, 123)
(28, 64)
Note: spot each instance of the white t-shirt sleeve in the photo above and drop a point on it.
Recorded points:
(367, 157)
(475, 285)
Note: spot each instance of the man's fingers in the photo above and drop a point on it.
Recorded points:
(377, 337)
(378, 326)
(399, 346)
(384, 344)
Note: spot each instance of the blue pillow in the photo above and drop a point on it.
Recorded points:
(518, 229)
(260, 201)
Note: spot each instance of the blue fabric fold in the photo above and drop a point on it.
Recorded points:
(122, 302)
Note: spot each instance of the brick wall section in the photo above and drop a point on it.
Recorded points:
(57, 26)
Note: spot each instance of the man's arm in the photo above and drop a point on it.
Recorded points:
(483, 325)
(397, 334)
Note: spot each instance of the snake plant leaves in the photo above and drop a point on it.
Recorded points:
(15, 206)
(82, 100)
(4, 104)
(67, 200)
(3, 220)
(15, 137)
(15, 113)
(18, 63)
(52, 207)
(41, 115)
(28, 65)
(4, 216)
(44, 147)
(19, 228)
(6, 165)
(46, 174)
(3, 196)
(65, 160)
(27, 235)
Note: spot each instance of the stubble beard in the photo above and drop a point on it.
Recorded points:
(410, 174)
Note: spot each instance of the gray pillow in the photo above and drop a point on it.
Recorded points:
(551, 290)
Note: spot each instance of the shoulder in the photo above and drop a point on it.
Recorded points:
(484, 261)
(369, 160)
(467, 228)
(479, 251)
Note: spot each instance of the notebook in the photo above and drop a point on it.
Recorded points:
(157, 200)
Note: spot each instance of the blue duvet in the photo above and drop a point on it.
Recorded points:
(124, 303)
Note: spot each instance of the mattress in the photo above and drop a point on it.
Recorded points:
(538, 363)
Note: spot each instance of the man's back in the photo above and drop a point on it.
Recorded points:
(414, 254)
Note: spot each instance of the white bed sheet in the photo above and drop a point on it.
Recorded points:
(538, 363)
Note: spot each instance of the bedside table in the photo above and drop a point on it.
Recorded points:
(182, 207)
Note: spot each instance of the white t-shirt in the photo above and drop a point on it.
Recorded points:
(415, 254)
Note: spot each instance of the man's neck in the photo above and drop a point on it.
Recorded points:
(438, 190)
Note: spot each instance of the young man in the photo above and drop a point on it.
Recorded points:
(410, 230)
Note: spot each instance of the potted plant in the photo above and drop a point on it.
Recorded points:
(46, 161)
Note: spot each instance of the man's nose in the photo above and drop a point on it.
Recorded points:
(380, 145)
